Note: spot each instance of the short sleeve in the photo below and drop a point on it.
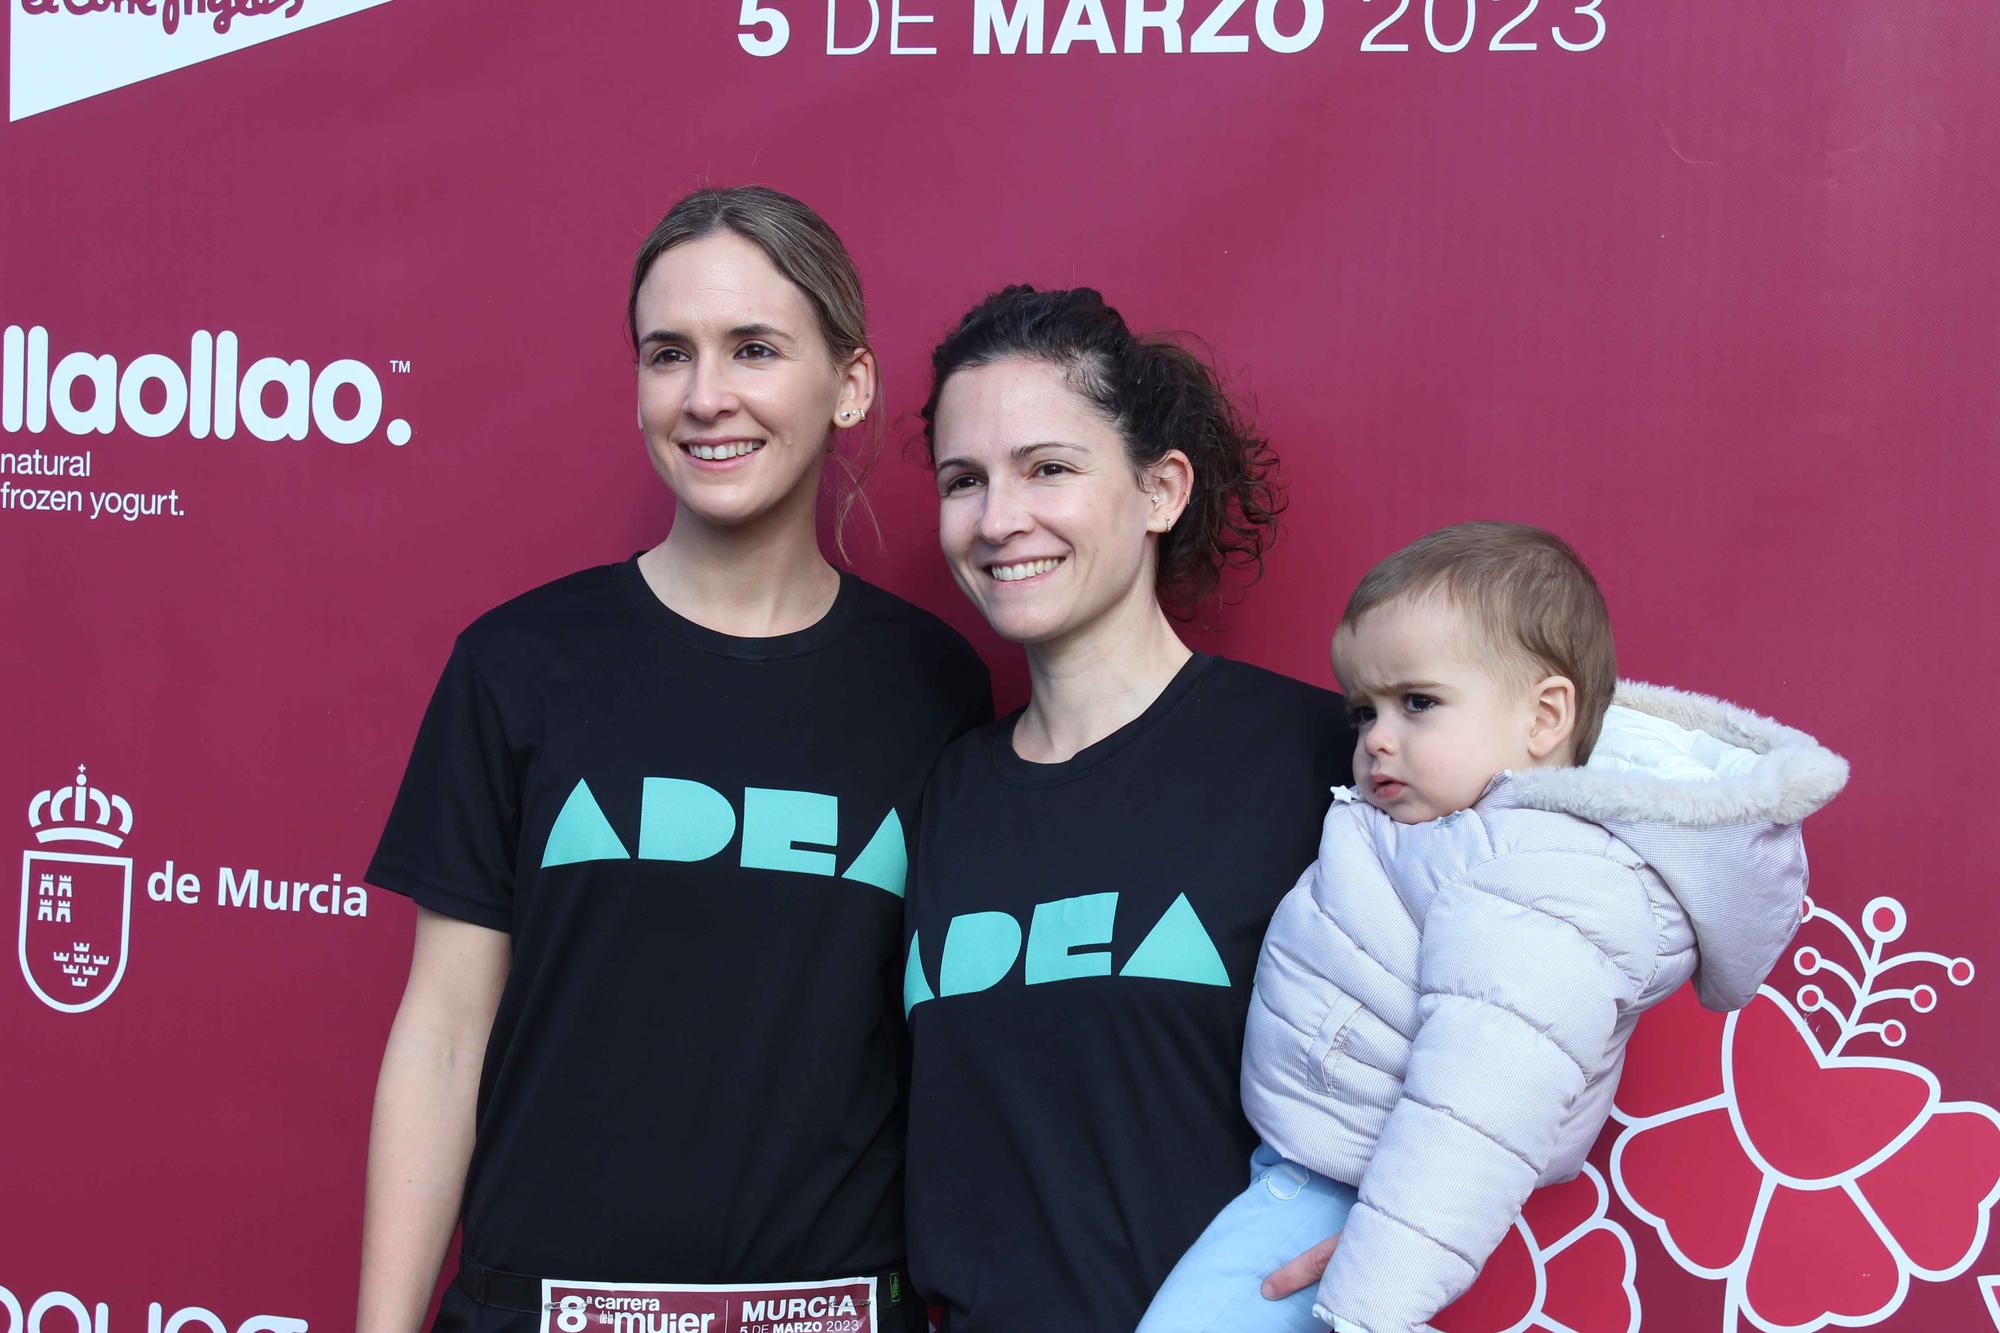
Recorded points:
(452, 834)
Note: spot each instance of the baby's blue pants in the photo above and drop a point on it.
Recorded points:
(1215, 1287)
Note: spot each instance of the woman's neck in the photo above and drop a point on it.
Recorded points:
(754, 581)
(1089, 684)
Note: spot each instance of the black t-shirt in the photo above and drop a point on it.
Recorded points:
(1084, 938)
(697, 844)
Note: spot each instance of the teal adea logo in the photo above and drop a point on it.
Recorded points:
(684, 820)
(1066, 940)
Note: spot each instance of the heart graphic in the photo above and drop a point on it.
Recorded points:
(1783, 1085)
(1694, 1178)
(1934, 1193)
(1822, 1180)
(1582, 1304)
(1554, 1211)
(1816, 1255)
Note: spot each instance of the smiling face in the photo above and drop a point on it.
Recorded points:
(1434, 720)
(738, 392)
(1042, 518)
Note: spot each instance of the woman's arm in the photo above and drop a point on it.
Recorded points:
(420, 1139)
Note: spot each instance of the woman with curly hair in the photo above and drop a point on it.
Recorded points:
(1094, 872)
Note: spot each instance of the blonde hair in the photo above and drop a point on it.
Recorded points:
(810, 256)
(1527, 590)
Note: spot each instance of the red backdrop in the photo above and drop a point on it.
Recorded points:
(1718, 298)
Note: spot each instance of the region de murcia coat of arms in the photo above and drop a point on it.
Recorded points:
(76, 906)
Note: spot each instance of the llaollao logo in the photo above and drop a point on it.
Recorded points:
(209, 391)
(67, 50)
(76, 906)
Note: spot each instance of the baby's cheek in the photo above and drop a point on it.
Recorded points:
(1459, 788)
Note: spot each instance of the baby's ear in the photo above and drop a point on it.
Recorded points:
(1554, 719)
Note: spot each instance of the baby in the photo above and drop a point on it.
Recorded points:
(1532, 856)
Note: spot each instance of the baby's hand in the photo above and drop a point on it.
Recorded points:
(1302, 1272)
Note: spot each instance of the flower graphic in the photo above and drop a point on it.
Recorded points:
(1813, 1181)
(1564, 1268)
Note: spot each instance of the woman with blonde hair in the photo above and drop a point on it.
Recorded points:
(654, 824)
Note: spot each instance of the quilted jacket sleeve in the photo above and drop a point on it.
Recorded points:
(1525, 965)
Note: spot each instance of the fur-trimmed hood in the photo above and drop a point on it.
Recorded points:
(1696, 786)
(1442, 1009)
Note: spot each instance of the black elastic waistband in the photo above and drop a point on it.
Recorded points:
(523, 1294)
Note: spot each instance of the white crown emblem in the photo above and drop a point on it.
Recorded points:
(80, 813)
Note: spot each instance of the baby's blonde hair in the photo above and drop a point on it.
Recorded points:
(1537, 603)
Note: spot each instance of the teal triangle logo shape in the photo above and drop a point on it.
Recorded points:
(582, 833)
(1178, 949)
(885, 861)
(916, 986)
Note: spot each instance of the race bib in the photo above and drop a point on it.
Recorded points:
(845, 1305)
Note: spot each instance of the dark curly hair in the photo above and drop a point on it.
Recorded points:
(1159, 396)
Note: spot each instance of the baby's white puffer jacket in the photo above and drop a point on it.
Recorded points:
(1441, 1009)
